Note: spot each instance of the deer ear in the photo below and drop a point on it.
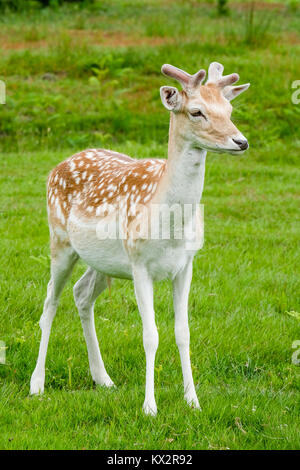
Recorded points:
(171, 98)
(231, 92)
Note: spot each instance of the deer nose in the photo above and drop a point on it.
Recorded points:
(243, 144)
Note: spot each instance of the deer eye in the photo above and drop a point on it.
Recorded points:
(198, 113)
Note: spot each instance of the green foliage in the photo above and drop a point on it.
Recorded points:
(25, 5)
(90, 77)
(222, 7)
(256, 28)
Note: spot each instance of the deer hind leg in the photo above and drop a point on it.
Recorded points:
(63, 259)
(86, 291)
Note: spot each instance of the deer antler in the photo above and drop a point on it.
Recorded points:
(215, 71)
(186, 80)
(215, 76)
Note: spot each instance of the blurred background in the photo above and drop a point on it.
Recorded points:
(86, 74)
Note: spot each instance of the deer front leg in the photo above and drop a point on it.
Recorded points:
(181, 289)
(61, 267)
(143, 287)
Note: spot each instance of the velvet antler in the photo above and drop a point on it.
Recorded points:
(186, 80)
(215, 76)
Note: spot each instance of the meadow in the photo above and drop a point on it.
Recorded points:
(88, 77)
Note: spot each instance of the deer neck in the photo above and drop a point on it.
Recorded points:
(185, 170)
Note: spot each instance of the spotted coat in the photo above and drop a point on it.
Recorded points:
(90, 180)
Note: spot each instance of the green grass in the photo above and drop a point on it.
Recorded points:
(246, 278)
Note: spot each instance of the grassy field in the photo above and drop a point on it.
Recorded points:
(90, 77)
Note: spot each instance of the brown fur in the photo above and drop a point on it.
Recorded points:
(92, 178)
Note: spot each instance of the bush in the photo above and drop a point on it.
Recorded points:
(22, 5)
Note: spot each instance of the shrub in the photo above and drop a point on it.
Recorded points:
(23, 5)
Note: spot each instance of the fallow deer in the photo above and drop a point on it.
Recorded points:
(82, 188)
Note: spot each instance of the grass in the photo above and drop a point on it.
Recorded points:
(90, 77)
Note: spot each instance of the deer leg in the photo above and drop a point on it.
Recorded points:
(143, 286)
(181, 288)
(86, 291)
(62, 263)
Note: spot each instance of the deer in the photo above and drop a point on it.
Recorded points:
(79, 191)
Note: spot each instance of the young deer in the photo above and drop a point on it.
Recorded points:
(86, 185)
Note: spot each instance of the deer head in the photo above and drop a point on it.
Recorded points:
(203, 112)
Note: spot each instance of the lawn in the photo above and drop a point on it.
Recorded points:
(90, 77)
